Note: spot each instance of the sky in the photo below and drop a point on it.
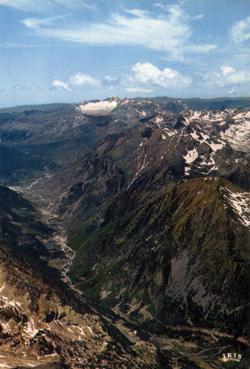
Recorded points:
(76, 50)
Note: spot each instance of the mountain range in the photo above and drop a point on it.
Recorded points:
(125, 234)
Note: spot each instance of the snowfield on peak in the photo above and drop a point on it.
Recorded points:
(208, 117)
(238, 134)
(240, 204)
(230, 127)
(100, 108)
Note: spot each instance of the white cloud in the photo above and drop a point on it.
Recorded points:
(10, 45)
(61, 85)
(227, 76)
(43, 6)
(77, 80)
(18, 87)
(169, 32)
(150, 75)
(146, 78)
(201, 49)
(165, 7)
(26, 88)
(110, 79)
(197, 17)
(139, 90)
(241, 31)
(36, 23)
(231, 91)
(84, 80)
(160, 5)
(226, 70)
(138, 12)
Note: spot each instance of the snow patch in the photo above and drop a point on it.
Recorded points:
(206, 116)
(203, 137)
(240, 204)
(169, 132)
(189, 158)
(238, 134)
(159, 119)
(6, 302)
(245, 114)
(30, 329)
(217, 146)
(139, 170)
(89, 328)
(195, 136)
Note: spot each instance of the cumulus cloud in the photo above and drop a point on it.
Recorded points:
(241, 31)
(78, 80)
(61, 85)
(84, 80)
(150, 75)
(227, 76)
(169, 32)
(147, 78)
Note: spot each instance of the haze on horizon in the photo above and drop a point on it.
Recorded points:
(69, 51)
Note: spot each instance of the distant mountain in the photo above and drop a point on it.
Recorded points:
(36, 108)
(219, 103)
(172, 104)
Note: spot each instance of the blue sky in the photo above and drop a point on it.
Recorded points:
(72, 50)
